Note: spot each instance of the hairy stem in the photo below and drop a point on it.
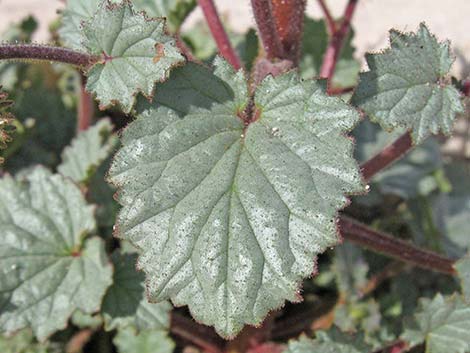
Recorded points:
(336, 43)
(329, 19)
(199, 335)
(387, 156)
(289, 21)
(85, 107)
(218, 32)
(46, 53)
(264, 17)
(393, 247)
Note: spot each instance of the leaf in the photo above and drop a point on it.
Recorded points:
(23, 342)
(87, 151)
(125, 303)
(149, 341)
(135, 53)
(333, 341)
(74, 15)
(82, 320)
(407, 85)
(230, 217)
(79, 11)
(442, 323)
(47, 269)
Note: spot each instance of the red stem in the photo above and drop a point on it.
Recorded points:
(200, 335)
(333, 91)
(329, 19)
(393, 247)
(218, 32)
(289, 20)
(85, 108)
(336, 43)
(264, 17)
(387, 156)
(45, 52)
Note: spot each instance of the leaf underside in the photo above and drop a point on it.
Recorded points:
(406, 85)
(230, 218)
(47, 269)
(136, 52)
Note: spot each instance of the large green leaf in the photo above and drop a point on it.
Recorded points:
(443, 324)
(47, 268)
(332, 341)
(125, 302)
(149, 341)
(407, 85)
(77, 12)
(135, 52)
(230, 216)
(87, 151)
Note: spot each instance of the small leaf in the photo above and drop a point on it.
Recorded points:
(87, 151)
(23, 342)
(407, 85)
(150, 341)
(333, 341)
(442, 323)
(135, 53)
(230, 214)
(125, 302)
(47, 269)
(79, 11)
(82, 320)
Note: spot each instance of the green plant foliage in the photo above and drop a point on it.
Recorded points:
(314, 44)
(77, 12)
(135, 52)
(150, 341)
(48, 270)
(125, 303)
(87, 151)
(463, 269)
(408, 177)
(407, 85)
(237, 213)
(333, 341)
(442, 323)
(23, 342)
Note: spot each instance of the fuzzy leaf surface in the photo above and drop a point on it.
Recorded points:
(47, 269)
(443, 324)
(125, 303)
(135, 52)
(406, 85)
(150, 341)
(333, 341)
(87, 151)
(77, 12)
(230, 217)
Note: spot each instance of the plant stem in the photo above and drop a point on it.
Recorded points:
(289, 21)
(387, 156)
(46, 53)
(264, 17)
(85, 107)
(391, 270)
(329, 19)
(201, 336)
(218, 32)
(333, 91)
(336, 43)
(393, 247)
